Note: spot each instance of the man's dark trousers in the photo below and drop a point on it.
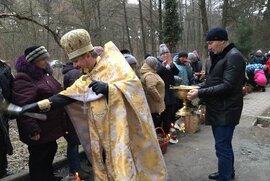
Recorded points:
(3, 155)
(223, 144)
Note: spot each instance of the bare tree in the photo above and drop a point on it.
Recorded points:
(127, 28)
(204, 20)
(86, 15)
(142, 27)
(204, 17)
(152, 31)
(160, 21)
(30, 21)
(32, 14)
(47, 6)
(225, 8)
(19, 17)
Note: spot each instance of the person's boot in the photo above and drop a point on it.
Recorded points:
(83, 175)
(214, 176)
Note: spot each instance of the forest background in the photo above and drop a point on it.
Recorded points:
(137, 25)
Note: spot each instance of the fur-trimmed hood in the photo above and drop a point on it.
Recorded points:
(22, 65)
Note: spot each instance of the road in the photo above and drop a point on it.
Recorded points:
(193, 158)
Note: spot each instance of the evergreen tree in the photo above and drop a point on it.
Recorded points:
(244, 34)
(171, 26)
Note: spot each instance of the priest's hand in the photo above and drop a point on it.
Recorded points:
(99, 87)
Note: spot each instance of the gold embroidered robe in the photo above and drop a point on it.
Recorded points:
(120, 125)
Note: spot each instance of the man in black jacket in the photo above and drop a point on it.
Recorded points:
(222, 92)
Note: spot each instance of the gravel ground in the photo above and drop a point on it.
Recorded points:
(19, 160)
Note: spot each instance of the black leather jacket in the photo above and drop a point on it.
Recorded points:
(222, 90)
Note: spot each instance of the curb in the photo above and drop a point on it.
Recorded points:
(23, 175)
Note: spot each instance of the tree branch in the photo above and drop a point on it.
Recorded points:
(53, 33)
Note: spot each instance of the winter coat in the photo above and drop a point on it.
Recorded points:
(196, 66)
(154, 88)
(71, 74)
(185, 73)
(268, 66)
(260, 78)
(30, 85)
(6, 80)
(258, 59)
(250, 68)
(222, 90)
(167, 76)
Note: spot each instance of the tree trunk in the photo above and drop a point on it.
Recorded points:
(160, 21)
(181, 22)
(204, 25)
(189, 34)
(152, 28)
(193, 26)
(86, 16)
(31, 14)
(187, 26)
(209, 10)
(225, 13)
(48, 9)
(99, 23)
(142, 27)
(127, 28)
(204, 17)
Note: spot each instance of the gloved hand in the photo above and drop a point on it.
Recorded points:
(30, 108)
(99, 87)
(14, 110)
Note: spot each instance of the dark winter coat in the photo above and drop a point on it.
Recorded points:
(168, 78)
(222, 90)
(196, 66)
(30, 85)
(258, 59)
(70, 76)
(6, 80)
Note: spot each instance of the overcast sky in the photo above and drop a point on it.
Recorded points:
(133, 1)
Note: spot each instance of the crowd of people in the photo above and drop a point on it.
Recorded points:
(258, 70)
(112, 106)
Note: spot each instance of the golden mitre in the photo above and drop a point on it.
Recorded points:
(76, 42)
